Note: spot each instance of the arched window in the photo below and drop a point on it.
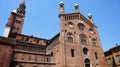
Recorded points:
(96, 56)
(81, 27)
(35, 58)
(93, 44)
(72, 53)
(21, 66)
(119, 58)
(85, 51)
(29, 58)
(70, 37)
(87, 62)
(51, 54)
(83, 39)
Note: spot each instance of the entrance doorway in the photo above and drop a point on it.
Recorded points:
(87, 62)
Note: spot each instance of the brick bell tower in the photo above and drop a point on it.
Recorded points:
(7, 43)
(15, 21)
(79, 40)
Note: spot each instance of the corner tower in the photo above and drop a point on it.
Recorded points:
(15, 21)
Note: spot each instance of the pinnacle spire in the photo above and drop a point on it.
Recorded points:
(76, 8)
(90, 17)
(23, 1)
(22, 7)
(61, 4)
(61, 1)
(61, 7)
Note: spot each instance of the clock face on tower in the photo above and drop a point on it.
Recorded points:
(70, 24)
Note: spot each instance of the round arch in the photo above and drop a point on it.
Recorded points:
(70, 37)
(21, 66)
(87, 62)
(81, 27)
(83, 39)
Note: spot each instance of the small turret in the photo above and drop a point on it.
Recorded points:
(61, 7)
(90, 18)
(76, 8)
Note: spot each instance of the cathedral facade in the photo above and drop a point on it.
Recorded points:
(76, 45)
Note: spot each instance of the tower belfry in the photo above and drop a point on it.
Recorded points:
(22, 7)
(15, 21)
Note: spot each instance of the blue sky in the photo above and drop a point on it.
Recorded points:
(42, 17)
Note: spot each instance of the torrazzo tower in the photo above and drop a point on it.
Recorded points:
(76, 45)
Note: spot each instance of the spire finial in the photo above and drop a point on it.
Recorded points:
(61, 2)
(61, 7)
(22, 5)
(76, 8)
(76, 5)
(90, 18)
(23, 1)
(89, 15)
